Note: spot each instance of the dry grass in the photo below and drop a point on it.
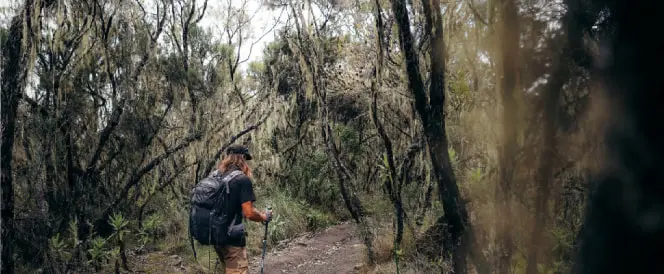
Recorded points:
(416, 265)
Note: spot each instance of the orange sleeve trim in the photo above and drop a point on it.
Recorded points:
(251, 213)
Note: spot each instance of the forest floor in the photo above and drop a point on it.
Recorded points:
(335, 249)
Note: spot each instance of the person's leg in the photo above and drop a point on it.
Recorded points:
(235, 259)
(220, 254)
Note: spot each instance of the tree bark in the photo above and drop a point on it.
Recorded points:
(14, 73)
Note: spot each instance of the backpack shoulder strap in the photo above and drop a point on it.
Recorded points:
(223, 181)
(229, 178)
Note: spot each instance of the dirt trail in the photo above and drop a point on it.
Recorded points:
(333, 250)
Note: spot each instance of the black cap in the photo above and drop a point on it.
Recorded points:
(239, 149)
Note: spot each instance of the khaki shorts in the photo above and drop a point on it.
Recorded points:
(234, 259)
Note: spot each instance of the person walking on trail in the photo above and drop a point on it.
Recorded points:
(241, 203)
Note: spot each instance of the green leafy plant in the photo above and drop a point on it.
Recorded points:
(63, 249)
(59, 249)
(277, 229)
(120, 229)
(476, 175)
(147, 233)
(120, 225)
(317, 219)
(454, 158)
(98, 253)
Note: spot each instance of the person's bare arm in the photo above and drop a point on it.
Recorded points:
(252, 213)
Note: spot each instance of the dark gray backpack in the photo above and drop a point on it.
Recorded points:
(209, 222)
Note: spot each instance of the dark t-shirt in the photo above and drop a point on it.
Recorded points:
(241, 191)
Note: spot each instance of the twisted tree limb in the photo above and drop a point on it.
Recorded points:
(210, 165)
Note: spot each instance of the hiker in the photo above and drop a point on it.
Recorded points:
(240, 203)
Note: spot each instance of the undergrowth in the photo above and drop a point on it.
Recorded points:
(164, 232)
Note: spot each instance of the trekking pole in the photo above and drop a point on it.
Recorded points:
(264, 242)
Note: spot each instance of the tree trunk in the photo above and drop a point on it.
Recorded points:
(509, 56)
(394, 183)
(353, 203)
(547, 162)
(14, 72)
(448, 190)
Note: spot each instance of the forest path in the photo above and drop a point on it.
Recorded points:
(336, 249)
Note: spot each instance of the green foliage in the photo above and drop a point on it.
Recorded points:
(120, 226)
(349, 137)
(147, 234)
(563, 240)
(317, 219)
(98, 253)
(59, 248)
(256, 68)
(459, 86)
(454, 158)
(331, 48)
(3, 35)
(476, 175)
(386, 175)
(73, 234)
(62, 248)
(306, 183)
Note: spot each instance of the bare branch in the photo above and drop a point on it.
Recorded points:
(153, 44)
(119, 109)
(160, 188)
(173, 35)
(190, 17)
(34, 105)
(115, 152)
(261, 37)
(105, 135)
(200, 16)
(138, 174)
(476, 14)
